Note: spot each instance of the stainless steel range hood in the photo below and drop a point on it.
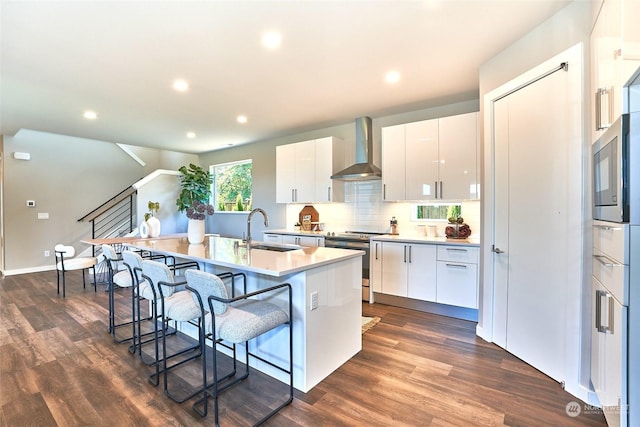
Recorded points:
(363, 169)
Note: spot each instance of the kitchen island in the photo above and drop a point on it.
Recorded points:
(326, 291)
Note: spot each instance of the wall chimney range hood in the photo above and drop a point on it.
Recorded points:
(363, 169)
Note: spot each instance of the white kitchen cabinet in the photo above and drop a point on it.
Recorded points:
(615, 55)
(312, 241)
(272, 238)
(608, 347)
(422, 160)
(457, 276)
(431, 159)
(393, 163)
(375, 267)
(457, 165)
(304, 169)
(329, 153)
(409, 270)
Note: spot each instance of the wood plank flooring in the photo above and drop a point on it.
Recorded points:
(59, 367)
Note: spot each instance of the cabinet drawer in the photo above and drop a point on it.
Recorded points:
(613, 275)
(457, 284)
(457, 253)
(612, 239)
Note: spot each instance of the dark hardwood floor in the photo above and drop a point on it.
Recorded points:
(58, 366)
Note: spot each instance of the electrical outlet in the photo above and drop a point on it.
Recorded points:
(47, 253)
(313, 300)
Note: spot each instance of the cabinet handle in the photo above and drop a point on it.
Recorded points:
(405, 253)
(456, 265)
(384, 191)
(456, 250)
(435, 184)
(597, 107)
(376, 246)
(609, 327)
(599, 311)
(608, 228)
(606, 261)
(600, 93)
(329, 193)
(409, 253)
(441, 192)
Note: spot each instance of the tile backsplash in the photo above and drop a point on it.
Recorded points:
(364, 210)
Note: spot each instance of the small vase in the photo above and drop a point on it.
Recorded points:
(144, 229)
(154, 226)
(195, 231)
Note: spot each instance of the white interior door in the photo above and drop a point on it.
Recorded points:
(532, 193)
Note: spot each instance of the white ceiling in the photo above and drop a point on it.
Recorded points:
(119, 58)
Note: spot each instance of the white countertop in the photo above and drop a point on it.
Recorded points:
(222, 251)
(402, 237)
(421, 238)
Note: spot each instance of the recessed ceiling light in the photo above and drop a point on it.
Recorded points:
(90, 115)
(241, 119)
(271, 39)
(392, 77)
(191, 135)
(181, 85)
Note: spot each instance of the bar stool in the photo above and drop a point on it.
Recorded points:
(123, 279)
(236, 320)
(170, 302)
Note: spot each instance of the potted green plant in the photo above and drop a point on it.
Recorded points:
(150, 227)
(193, 199)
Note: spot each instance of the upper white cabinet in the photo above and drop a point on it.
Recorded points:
(431, 159)
(304, 169)
(615, 55)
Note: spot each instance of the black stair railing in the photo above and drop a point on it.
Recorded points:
(114, 218)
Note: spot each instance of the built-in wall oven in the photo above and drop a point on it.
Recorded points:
(358, 240)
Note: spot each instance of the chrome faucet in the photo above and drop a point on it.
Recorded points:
(266, 222)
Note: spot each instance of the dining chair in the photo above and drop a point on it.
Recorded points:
(123, 279)
(67, 261)
(236, 320)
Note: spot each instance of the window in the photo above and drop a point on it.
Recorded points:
(436, 212)
(232, 186)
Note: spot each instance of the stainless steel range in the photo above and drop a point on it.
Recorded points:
(358, 240)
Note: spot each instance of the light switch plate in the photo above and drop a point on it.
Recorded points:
(313, 300)
(43, 215)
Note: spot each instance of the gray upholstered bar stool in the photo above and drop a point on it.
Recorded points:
(123, 279)
(171, 302)
(236, 320)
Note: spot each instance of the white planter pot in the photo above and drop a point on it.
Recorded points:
(154, 226)
(144, 229)
(195, 231)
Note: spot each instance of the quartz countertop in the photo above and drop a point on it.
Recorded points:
(421, 238)
(231, 253)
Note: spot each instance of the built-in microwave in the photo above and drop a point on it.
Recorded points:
(611, 173)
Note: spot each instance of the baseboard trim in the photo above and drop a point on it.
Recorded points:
(428, 307)
(28, 270)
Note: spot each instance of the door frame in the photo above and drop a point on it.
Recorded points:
(574, 56)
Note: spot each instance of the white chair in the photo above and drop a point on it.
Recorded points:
(236, 320)
(66, 261)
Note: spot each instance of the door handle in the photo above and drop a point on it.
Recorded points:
(496, 250)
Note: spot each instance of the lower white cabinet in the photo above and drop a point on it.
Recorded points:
(293, 239)
(409, 270)
(608, 345)
(457, 276)
(445, 274)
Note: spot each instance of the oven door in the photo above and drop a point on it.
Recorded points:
(357, 245)
(609, 173)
